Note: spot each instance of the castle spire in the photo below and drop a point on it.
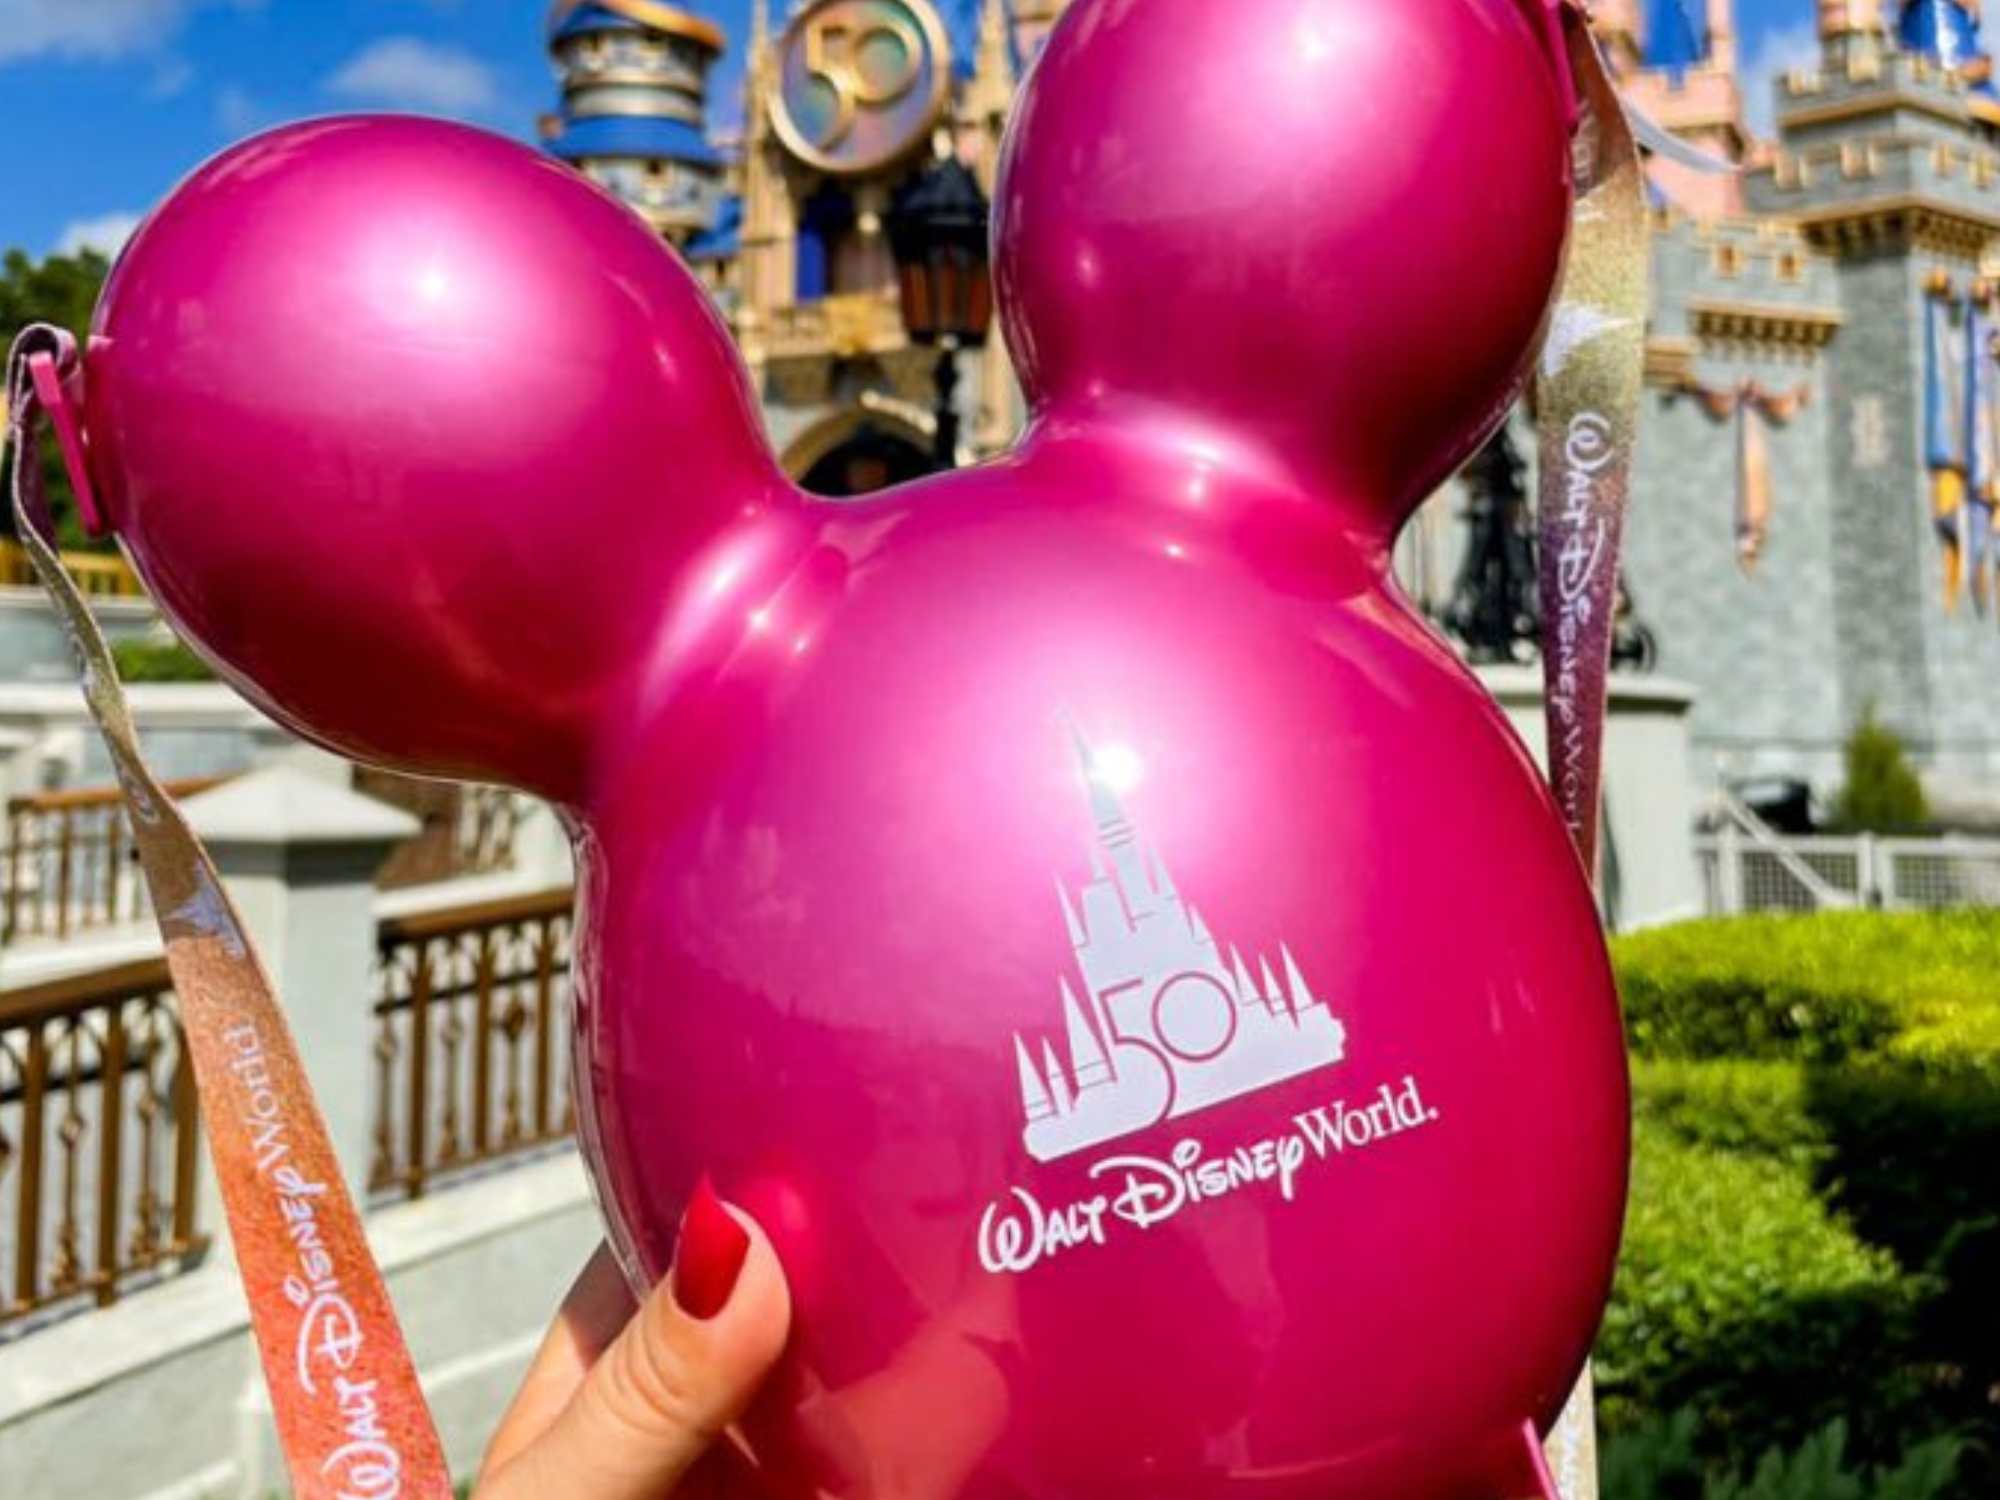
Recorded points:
(1059, 1089)
(1276, 998)
(1087, 1057)
(1302, 995)
(1077, 936)
(1197, 928)
(1246, 987)
(1034, 1093)
(1105, 809)
(993, 70)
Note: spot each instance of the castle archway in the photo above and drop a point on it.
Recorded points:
(857, 451)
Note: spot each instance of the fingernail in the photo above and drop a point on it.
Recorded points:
(711, 1254)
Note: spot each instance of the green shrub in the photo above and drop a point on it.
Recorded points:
(1742, 1297)
(158, 661)
(1752, 1107)
(1815, 1231)
(1661, 1461)
(61, 289)
(1821, 986)
(1882, 793)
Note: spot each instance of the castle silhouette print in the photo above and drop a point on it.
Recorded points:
(1164, 1027)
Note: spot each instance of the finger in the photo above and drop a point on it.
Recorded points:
(672, 1381)
(597, 1307)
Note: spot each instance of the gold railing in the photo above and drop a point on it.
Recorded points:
(471, 1052)
(70, 864)
(98, 575)
(489, 820)
(98, 1140)
(468, 829)
(99, 1126)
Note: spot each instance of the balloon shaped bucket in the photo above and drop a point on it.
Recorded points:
(1115, 948)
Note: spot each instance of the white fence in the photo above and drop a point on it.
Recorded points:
(1743, 870)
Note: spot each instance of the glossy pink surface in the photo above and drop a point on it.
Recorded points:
(941, 849)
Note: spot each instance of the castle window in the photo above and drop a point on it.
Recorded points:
(1791, 266)
(1728, 259)
(825, 225)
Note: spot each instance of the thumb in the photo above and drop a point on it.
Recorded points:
(674, 1379)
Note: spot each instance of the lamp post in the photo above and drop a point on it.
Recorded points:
(1495, 606)
(937, 233)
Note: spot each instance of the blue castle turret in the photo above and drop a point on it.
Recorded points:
(1944, 31)
(1674, 41)
(634, 113)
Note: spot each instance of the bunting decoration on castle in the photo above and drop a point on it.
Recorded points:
(1960, 419)
(1980, 476)
(1753, 408)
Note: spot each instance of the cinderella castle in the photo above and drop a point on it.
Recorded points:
(1812, 522)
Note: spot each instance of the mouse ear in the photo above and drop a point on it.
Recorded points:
(408, 429)
(1324, 233)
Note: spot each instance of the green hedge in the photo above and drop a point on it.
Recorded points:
(1663, 1459)
(158, 661)
(1815, 1226)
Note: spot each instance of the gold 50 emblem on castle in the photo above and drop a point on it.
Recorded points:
(1164, 1026)
(861, 82)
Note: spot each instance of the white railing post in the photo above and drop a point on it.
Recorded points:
(1869, 870)
(541, 845)
(272, 745)
(1729, 868)
(299, 857)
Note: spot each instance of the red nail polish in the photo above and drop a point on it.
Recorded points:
(711, 1254)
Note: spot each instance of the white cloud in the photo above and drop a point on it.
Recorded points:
(171, 78)
(83, 28)
(106, 233)
(1779, 51)
(92, 28)
(237, 111)
(403, 72)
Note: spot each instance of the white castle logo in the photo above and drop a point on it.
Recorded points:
(1164, 1027)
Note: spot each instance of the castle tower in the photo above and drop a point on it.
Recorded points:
(1722, 36)
(1852, 36)
(1680, 68)
(1889, 168)
(1799, 336)
(634, 113)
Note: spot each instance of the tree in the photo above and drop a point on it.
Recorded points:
(61, 290)
(1882, 794)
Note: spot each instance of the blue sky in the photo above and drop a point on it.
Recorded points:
(109, 102)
